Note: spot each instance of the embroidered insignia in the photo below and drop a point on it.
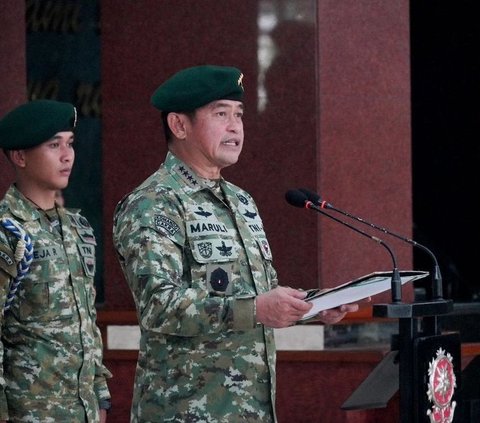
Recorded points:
(206, 227)
(165, 223)
(205, 249)
(202, 212)
(266, 248)
(256, 228)
(219, 280)
(6, 258)
(441, 387)
(224, 250)
(89, 266)
(79, 222)
(250, 215)
(47, 253)
(86, 250)
(214, 250)
(86, 235)
(242, 199)
(187, 176)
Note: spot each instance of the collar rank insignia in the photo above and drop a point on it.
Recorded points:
(219, 280)
(202, 212)
(224, 250)
(187, 176)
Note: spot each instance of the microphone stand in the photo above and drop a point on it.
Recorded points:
(437, 285)
(428, 310)
(396, 283)
(411, 349)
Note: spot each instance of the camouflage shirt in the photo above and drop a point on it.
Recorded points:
(195, 256)
(51, 347)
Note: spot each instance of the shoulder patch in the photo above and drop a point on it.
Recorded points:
(162, 222)
(7, 261)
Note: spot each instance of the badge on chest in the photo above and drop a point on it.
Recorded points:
(219, 278)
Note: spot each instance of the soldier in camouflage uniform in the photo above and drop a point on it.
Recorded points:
(196, 257)
(51, 347)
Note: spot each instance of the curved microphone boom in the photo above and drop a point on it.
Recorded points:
(297, 198)
(437, 287)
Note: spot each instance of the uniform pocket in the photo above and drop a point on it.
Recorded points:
(40, 300)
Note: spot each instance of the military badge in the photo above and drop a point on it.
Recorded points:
(89, 266)
(218, 277)
(441, 387)
(186, 175)
(242, 199)
(201, 212)
(6, 258)
(86, 250)
(224, 250)
(265, 247)
(87, 236)
(166, 224)
(205, 249)
(214, 249)
(79, 222)
(249, 214)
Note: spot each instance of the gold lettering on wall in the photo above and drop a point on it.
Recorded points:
(52, 16)
(43, 89)
(88, 99)
(87, 96)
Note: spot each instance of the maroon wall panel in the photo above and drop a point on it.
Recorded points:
(13, 91)
(364, 123)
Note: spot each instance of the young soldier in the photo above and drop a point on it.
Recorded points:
(51, 348)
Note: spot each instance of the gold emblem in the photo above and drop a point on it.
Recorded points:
(240, 81)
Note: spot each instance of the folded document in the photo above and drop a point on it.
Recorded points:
(356, 290)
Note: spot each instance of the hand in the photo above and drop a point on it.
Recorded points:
(281, 307)
(334, 315)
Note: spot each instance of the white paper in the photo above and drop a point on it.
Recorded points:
(356, 290)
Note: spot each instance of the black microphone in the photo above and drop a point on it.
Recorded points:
(297, 198)
(437, 287)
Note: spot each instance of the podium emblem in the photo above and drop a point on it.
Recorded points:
(441, 387)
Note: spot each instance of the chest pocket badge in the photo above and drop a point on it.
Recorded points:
(219, 278)
(214, 249)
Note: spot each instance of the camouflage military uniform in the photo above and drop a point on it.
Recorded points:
(195, 257)
(51, 347)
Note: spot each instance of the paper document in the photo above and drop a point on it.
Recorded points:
(356, 290)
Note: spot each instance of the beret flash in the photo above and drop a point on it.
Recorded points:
(35, 122)
(194, 87)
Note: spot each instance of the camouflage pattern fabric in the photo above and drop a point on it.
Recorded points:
(195, 257)
(51, 348)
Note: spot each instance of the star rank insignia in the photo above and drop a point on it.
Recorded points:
(187, 176)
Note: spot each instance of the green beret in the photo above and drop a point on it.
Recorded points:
(194, 87)
(35, 122)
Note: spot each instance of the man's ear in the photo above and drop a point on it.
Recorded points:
(176, 123)
(17, 157)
